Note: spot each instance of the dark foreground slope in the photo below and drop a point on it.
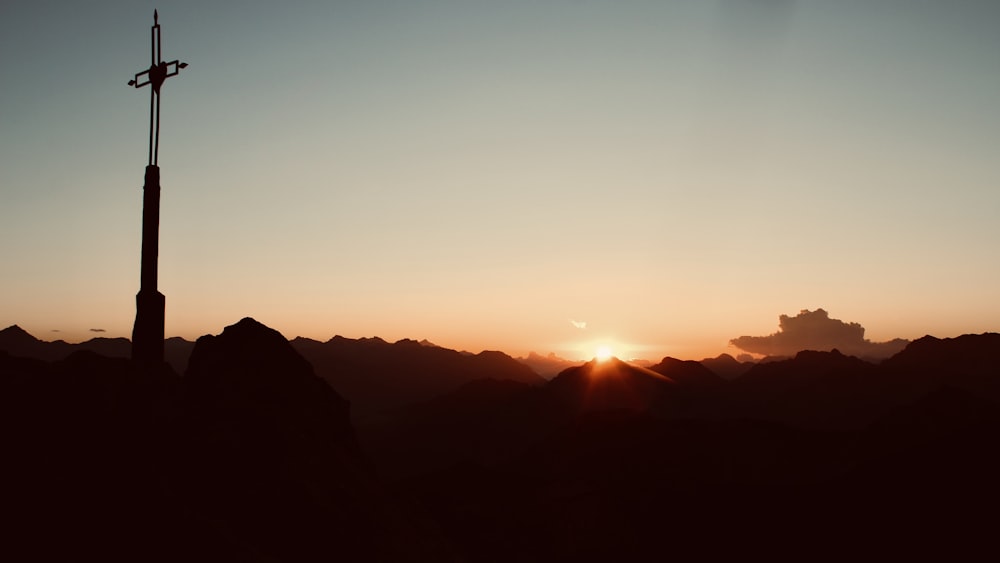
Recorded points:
(250, 456)
(621, 486)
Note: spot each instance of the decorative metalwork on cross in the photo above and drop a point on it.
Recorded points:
(154, 76)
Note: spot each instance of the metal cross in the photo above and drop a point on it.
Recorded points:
(154, 76)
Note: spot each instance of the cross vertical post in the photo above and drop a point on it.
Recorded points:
(148, 331)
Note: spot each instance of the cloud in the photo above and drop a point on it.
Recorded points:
(578, 324)
(97, 330)
(815, 330)
(56, 330)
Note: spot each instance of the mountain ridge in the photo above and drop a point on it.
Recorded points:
(252, 456)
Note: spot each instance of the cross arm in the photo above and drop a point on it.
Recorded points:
(157, 73)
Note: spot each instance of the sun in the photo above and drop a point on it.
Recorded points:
(603, 353)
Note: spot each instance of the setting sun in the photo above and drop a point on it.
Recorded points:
(603, 353)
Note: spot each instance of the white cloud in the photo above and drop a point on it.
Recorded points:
(578, 324)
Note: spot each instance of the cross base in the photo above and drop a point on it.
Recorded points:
(147, 334)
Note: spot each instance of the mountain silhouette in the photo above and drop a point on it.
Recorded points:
(252, 455)
(17, 342)
(262, 421)
(547, 366)
(822, 389)
(969, 362)
(373, 374)
(108, 347)
(250, 373)
(726, 366)
(176, 352)
(818, 457)
(611, 384)
(376, 375)
(16, 337)
(487, 420)
(249, 456)
(690, 375)
(831, 390)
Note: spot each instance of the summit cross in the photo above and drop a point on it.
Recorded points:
(150, 304)
(154, 76)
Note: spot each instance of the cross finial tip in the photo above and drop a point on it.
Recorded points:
(156, 17)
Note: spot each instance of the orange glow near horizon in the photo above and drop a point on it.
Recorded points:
(605, 347)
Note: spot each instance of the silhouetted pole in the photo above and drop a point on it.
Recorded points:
(150, 304)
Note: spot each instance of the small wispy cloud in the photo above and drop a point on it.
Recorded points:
(97, 330)
(578, 324)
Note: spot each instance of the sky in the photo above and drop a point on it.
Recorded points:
(658, 177)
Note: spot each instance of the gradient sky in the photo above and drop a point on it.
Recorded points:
(672, 173)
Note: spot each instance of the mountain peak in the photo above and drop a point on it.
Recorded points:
(14, 331)
(17, 342)
(610, 384)
(723, 358)
(247, 341)
(726, 366)
(969, 350)
(248, 324)
(689, 374)
(252, 368)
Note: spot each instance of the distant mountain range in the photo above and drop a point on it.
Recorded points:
(252, 454)
(377, 375)
(373, 374)
(547, 366)
(19, 342)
